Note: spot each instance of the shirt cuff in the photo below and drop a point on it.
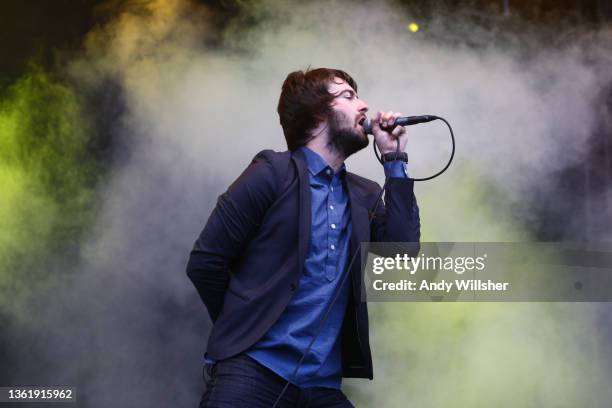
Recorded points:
(396, 169)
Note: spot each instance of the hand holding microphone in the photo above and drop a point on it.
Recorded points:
(386, 136)
(386, 130)
(389, 123)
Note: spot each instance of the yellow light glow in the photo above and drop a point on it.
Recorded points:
(414, 27)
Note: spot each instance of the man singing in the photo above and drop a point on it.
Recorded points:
(272, 257)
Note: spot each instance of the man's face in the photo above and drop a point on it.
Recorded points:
(346, 134)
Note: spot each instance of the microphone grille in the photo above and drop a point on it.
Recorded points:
(367, 126)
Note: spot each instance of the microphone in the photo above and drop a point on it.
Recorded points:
(401, 121)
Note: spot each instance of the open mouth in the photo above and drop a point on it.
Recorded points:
(362, 120)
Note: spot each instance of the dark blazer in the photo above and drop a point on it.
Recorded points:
(248, 260)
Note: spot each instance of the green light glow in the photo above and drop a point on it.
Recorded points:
(480, 354)
(46, 178)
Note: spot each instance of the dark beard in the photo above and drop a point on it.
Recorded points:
(344, 141)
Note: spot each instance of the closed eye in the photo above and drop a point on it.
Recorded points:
(347, 93)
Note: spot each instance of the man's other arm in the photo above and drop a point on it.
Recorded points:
(231, 225)
(397, 219)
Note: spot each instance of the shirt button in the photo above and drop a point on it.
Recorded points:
(331, 207)
(331, 188)
(332, 246)
(328, 171)
(333, 226)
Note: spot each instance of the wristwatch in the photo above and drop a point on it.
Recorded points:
(403, 156)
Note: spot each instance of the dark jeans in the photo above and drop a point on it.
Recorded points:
(241, 382)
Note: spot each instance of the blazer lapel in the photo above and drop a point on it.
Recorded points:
(360, 232)
(304, 218)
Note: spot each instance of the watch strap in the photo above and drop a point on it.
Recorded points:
(403, 156)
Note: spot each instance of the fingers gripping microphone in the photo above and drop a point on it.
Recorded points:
(401, 121)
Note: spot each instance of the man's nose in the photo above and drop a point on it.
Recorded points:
(364, 107)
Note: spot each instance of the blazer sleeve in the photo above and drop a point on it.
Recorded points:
(397, 218)
(231, 225)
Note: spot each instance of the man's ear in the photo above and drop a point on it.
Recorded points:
(320, 118)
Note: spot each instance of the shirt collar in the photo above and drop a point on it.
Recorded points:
(317, 164)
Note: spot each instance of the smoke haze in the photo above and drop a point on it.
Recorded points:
(122, 322)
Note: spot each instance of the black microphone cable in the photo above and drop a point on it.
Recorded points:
(413, 120)
(416, 120)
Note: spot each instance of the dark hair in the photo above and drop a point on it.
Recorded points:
(305, 101)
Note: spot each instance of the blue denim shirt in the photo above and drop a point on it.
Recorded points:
(282, 346)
